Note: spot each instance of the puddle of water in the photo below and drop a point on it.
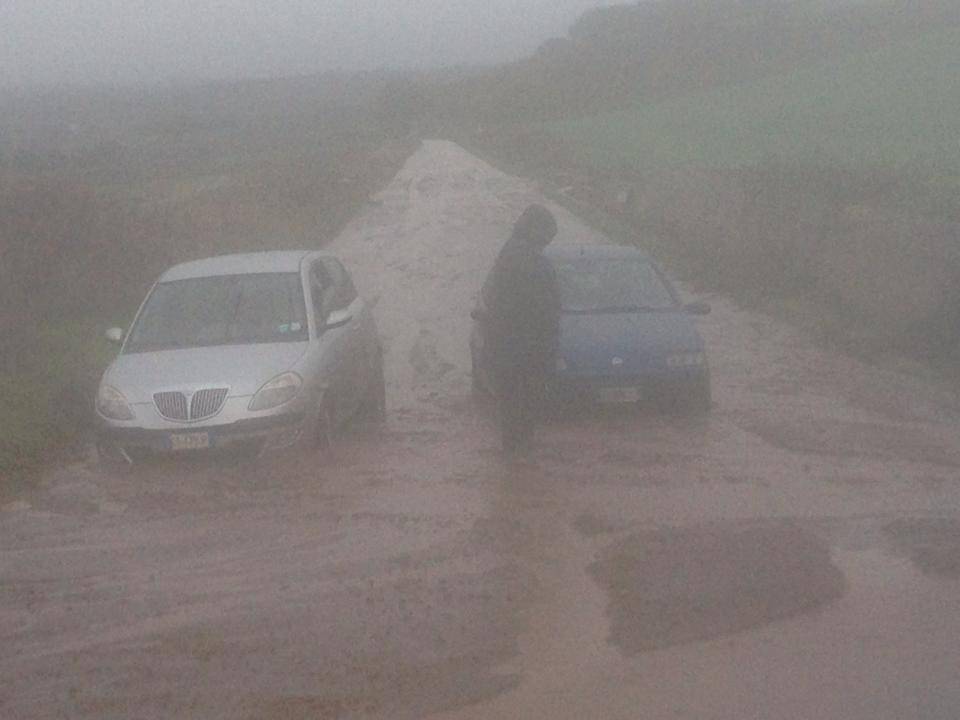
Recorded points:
(676, 586)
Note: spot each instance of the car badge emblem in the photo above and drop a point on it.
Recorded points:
(617, 361)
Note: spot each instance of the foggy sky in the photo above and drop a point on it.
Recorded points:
(70, 41)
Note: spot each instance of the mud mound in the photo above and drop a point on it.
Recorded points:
(670, 587)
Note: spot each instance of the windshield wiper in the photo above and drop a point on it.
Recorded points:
(613, 309)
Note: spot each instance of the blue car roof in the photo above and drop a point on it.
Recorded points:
(567, 251)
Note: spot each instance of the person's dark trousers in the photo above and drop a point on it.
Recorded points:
(520, 393)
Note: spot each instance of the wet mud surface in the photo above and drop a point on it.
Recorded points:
(792, 555)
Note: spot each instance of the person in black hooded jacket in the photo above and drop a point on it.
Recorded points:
(523, 308)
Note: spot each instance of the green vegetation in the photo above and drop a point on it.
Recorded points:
(50, 403)
(894, 109)
(825, 188)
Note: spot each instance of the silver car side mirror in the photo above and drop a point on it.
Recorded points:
(338, 318)
(114, 335)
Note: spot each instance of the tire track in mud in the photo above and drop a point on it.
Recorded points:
(467, 218)
(563, 650)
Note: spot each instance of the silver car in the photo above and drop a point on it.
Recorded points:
(262, 349)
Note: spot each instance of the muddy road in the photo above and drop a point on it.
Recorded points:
(795, 555)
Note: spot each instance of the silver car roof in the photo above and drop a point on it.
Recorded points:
(238, 264)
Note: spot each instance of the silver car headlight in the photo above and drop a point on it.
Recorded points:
(282, 389)
(112, 404)
(686, 360)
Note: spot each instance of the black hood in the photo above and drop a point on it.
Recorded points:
(536, 226)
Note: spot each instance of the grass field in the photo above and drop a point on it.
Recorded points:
(833, 189)
(894, 109)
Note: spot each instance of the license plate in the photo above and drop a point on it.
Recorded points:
(620, 395)
(190, 441)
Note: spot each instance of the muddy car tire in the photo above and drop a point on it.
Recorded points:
(319, 431)
(325, 427)
(375, 403)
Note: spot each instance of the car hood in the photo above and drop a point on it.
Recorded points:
(625, 343)
(242, 368)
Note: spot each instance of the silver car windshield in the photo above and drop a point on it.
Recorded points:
(221, 310)
(598, 285)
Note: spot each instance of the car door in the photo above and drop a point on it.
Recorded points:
(328, 361)
(346, 337)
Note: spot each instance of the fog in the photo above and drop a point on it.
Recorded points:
(443, 360)
(95, 41)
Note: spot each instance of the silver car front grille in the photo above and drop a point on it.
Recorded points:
(204, 404)
(207, 403)
(172, 405)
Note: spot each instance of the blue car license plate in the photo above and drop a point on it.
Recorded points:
(190, 441)
(619, 395)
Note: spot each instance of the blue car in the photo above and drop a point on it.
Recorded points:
(625, 336)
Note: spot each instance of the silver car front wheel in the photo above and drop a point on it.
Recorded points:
(374, 405)
(324, 425)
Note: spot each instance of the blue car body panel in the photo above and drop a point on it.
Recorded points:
(625, 344)
(617, 348)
